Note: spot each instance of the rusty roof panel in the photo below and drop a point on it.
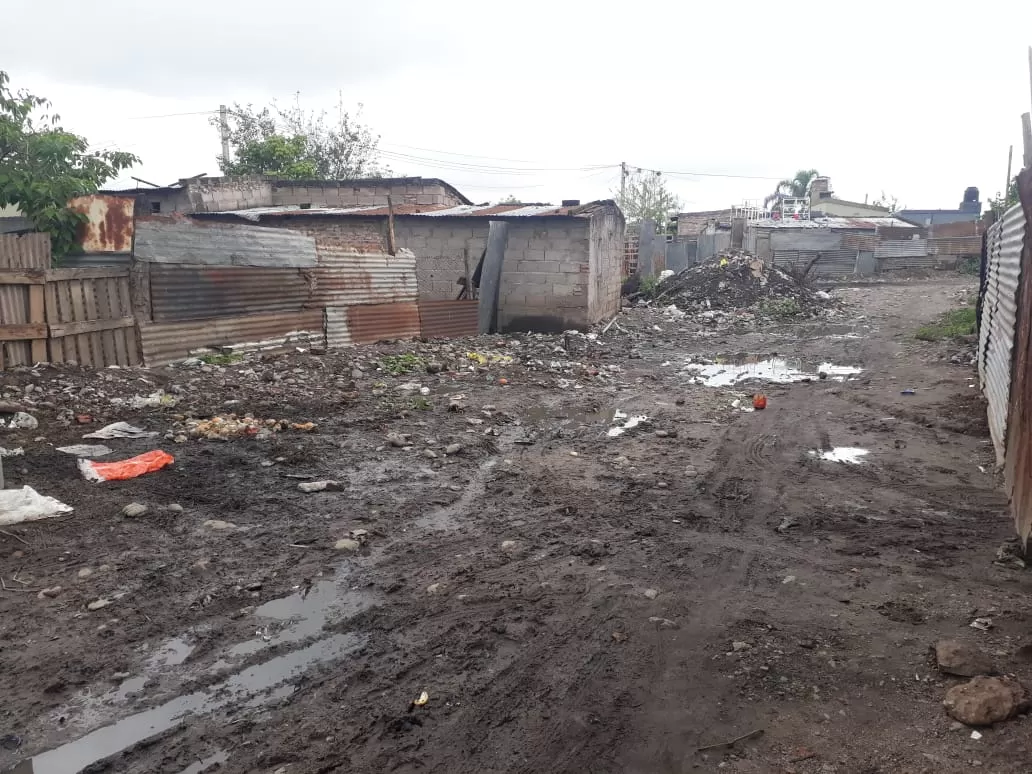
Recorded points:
(345, 277)
(109, 223)
(448, 319)
(183, 240)
(198, 292)
(24, 251)
(370, 323)
(165, 342)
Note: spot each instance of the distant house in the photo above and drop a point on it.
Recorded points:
(970, 210)
(823, 202)
(219, 194)
(691, 224)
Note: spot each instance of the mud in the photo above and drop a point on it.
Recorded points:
(568, 600)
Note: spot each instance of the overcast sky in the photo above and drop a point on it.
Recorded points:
(545, 99)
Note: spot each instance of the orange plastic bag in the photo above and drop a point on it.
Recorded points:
(759, 401)
(130, 468)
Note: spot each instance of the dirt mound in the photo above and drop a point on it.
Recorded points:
(739, 281)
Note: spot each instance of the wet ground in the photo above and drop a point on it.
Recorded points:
(596, 557)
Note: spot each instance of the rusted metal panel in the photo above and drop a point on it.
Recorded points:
(1018, 468)
(833, 263)
(999, 317)
(346, 278)
(447, 319)
(182, 240)
(861, 241)
(109, 223)
(901, 248)
(165, 342)
(902, 262)
(959, 246)
(198, 292)
(24, 251)
(370, 323)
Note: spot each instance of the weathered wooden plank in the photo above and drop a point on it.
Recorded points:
(53, 314)
(89, 294)
(38, 314)
(23, 277)
(134, 349)
(103, 289)
(139, 276)
(114, 312)
(59, 275)
(59, 330)
(23, 332)
(64, 302)
(82, 341)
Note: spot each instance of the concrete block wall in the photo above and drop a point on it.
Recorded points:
(229, 193)
(361, 193)
(365, 235)
(439, 244)
(606, 258)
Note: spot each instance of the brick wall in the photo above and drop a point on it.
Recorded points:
(362, 193)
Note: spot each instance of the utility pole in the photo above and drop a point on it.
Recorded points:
(623, 182)
(1006, 187)
(224, 131)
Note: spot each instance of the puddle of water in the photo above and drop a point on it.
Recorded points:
(848, 454)
(629, 424)
(768, 369)
(577, 414)
(244, 685)
(203, 765)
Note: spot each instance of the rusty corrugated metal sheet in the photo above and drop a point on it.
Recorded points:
(1018, 469)
(109, 224)
(959, 246)
(197, 292)
(999, 317)
(182, 240)
(861, 241)
(165, 342)
(370, 323)
(345, 277)
(447, 319)
(833, 263)
(24, 251)
(901, 248)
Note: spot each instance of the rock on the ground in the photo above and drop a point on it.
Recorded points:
(219, 524)
(651, 593)
(983, 701)
(319, 486)
(134, 510)
(51, 592)
(960, 658)
(398, 440)
(453, 448)
(98, 604)
(662, 623)
(347, 544)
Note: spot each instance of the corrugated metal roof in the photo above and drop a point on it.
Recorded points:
(25, 251)
(835, 223)
(183, 240)
(257, 214)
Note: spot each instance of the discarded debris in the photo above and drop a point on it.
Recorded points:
(630, 424)
(489, 358)
(135, 510)
(17, 452)
(982, 624)
(159, 399)
(759, 401)
(26, 504)
(126, 469)
(86, 450)
(22, 421)
(119, 430)
(223, 428)
(319, 486)
(422, 699)
(731, 742)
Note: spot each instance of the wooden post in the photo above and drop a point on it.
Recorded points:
(392, 246)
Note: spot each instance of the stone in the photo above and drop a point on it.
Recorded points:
(434, 588)
(98, 604)
(347, 544)
(453, 448)
(739, 646)
(663, 623)
(51, 592)
(134, 510)
(430, 454)
(433, 367)
(319, 486)
(960, 658)
(983, 701)
(85, 572)
(398, 440)
(651, 593)
(219, 524)
(509, 545)
(690, 472)
(174, 508)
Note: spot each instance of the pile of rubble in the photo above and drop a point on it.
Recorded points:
(739, 281)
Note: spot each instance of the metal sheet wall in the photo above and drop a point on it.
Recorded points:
(165, 342)
(823, 239)
(999, 316)
(833, 263)
(180, 240)
(345, 277)
(900, 248)
(25, 251)
(109, 223)
(447, 319)
(198, 292)
(370, 323)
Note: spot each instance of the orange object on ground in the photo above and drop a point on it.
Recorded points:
(503, 380)
(759, 401)
(130, 468)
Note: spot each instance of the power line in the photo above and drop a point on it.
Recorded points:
(174, 115)
(464, 155)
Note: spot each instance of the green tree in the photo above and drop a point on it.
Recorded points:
(296, 144)
(43, 166)
(797, 187)
(646, 197)
(999, 204)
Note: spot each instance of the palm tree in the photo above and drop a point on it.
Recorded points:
(796, 188)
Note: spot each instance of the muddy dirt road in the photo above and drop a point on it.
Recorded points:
(514, 577)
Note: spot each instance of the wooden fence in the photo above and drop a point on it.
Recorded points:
(83, 316)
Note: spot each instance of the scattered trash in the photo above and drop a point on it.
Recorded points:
(982, 624)
(651, 593)
(908, 392)
(10, 741)
(770, 369)
(159, 399)
(98, 604)
(22, 421)
(119, 430)
(26, 504)
(976, 735)
(83, 419)
(219, 524)
(663, 623)
(731, 742)
(135, 510)
(489, 359)
(18, 452)
(848, 454)
(759, 401)
(630, 424)
(422, 699)
(319, 486)
(503, 381)
(86, 450)
(126, 469)
(786, 524)
(225, 427)
(347, 544)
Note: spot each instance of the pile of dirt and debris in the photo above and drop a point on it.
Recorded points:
(739, 281)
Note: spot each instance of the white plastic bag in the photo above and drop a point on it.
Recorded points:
(26, 504)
